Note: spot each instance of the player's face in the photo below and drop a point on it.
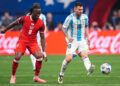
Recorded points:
(78, 10)
(36, 14)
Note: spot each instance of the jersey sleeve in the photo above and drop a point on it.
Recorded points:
(67, 22)
(20, 20)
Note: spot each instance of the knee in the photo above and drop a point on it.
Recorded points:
(16, 59)
(17, 56)
(84, 54)
(40, 56)
(68, 58)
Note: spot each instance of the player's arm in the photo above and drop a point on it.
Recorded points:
(64, 28)
(45, 23)
(14, 23)
(43, 43)
(66, 34)
(87, 31)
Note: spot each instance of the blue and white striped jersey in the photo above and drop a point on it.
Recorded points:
(76, 26)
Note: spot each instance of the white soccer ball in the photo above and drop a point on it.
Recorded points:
(105, 68)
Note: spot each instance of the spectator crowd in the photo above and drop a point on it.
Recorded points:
(113, 22)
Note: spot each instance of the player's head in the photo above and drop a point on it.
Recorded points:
(78, 8)
(35, 11)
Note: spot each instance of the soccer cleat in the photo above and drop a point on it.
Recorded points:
(91, 70)
(60, 79)
(37, 79)
(13, 80)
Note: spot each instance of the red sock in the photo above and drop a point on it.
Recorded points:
(38, 67)
(14, 67)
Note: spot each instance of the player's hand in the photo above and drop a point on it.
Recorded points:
(45, 56)
(70, 40)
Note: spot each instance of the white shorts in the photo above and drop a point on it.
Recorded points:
(76, 45)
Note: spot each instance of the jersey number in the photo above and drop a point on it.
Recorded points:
(30, 30)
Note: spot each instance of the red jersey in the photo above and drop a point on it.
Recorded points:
(30, 28)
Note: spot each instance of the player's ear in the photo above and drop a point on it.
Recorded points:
(74, 8)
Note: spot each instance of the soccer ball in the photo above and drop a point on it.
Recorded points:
(105, 68)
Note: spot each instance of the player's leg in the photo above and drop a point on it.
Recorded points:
(69, 55)
(64, 65)
(20, 49)
(36, 52)
(83, 53)
(15, 64)
(87, 63)
(74, 54)
(38, 66)
(33, 60)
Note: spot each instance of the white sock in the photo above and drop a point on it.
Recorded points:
(63, 67)
(87, 63)
(33, 60)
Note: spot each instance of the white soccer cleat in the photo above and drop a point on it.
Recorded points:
(91, 70)
(60, 79)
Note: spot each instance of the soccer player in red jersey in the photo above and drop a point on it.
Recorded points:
(31, 24)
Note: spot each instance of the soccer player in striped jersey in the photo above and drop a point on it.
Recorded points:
(78, 39)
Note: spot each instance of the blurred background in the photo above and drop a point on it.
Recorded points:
(104, 23)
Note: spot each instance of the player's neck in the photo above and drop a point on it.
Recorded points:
(32, 18)
(77, 15)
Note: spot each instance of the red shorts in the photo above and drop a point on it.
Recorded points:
(31, 46)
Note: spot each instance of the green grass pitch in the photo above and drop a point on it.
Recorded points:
(75, 74)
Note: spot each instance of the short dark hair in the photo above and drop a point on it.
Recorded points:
(35, 6)
(78, 4)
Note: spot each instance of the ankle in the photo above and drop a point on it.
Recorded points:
(61, 74)
(36, 76)
(13, 76)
